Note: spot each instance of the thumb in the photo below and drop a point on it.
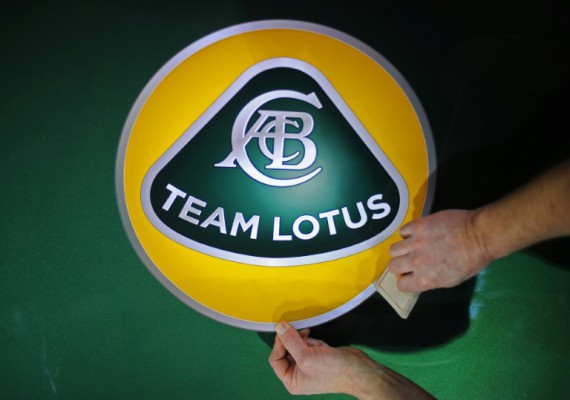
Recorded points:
(291, 339)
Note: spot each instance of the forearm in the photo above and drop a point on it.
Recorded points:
(376, 381)
(537, 211)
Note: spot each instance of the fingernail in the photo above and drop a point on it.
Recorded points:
(281, 328)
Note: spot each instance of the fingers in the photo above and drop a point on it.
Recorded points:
(315, 342)
(291, 340)
(278, 359)
(407, 283)
(281, 360)
(400, 265)
(406, 230)
(418, 282)
(400, 248)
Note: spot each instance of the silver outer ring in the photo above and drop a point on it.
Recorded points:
(192, 49)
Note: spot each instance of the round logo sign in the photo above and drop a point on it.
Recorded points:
(264, 171)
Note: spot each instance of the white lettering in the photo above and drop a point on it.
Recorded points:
(297, 225)
(272, 126)
(217, 218)
(276, 235)
(174, 193)
(189, 209)
(240, 222)
(329, 215)
(374, 205)
(305, 227)
(349, 222)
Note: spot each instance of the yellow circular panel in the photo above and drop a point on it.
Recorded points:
(236, 291)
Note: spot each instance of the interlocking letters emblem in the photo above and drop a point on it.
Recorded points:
(272, 125)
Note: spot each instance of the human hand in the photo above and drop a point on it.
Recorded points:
(440, 250)
(310, 366)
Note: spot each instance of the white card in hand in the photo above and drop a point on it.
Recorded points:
(402, 302)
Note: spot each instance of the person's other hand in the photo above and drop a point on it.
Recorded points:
(310, 366)
(440, 250)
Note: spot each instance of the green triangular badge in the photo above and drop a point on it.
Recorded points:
(277, 172)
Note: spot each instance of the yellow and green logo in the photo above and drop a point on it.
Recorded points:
(264, 171)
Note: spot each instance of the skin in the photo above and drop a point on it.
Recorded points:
(310, 366)
(446, 248)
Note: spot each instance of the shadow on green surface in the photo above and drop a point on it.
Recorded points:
(438, 317)
(555, 252)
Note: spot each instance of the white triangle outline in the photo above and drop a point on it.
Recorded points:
(227, 95)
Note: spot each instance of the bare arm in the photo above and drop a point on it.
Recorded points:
(448, 247)
(537, 211)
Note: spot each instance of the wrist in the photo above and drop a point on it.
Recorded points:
(481, 234)
(369, 381)
(380, 382)
(489, 237)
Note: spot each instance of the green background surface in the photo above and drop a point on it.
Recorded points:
(81, 317)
